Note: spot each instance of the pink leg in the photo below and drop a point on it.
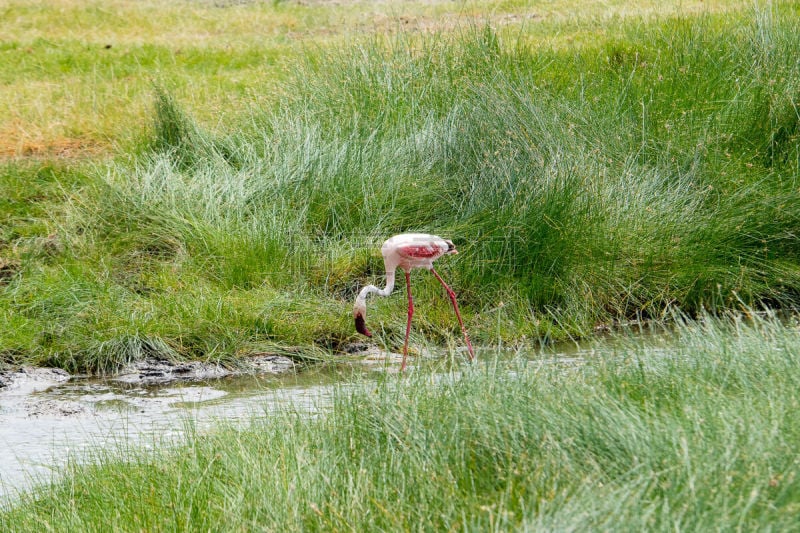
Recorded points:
(458, 314)
(408, 324)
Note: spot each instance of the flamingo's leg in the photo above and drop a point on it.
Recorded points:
(458, 314)
(408, 323)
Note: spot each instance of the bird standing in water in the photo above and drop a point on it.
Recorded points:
(407, 251)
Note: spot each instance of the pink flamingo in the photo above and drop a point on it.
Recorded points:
(407, 251)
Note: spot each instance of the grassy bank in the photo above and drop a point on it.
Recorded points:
(694, 433)
(77, 75)
(589, 169)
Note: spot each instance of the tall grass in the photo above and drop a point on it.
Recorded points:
(694, 433)
(652, 169)
(645, 175)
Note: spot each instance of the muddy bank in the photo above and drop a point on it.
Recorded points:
(150, 371)
(48, 418)
(29, 379)
(42, 428)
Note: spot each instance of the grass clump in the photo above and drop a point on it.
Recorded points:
(694, 432)
(651, 168)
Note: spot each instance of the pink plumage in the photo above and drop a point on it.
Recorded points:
(408, 251)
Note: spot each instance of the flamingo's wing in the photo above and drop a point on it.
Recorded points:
(419, 251)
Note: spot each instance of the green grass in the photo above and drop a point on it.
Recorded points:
(584, 181)
(691, 431)
(77, 75)
(220, 179)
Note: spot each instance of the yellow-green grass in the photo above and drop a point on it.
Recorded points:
(77, 76)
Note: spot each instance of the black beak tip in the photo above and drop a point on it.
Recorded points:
(361, 326)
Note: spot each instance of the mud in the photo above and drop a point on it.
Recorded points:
(58, 408)
(152, 371)
(20, 385)
(28, 379)
(48, 419)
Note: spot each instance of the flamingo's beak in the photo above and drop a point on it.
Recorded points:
(361, 326)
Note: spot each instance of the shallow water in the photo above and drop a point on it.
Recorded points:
(40, 430)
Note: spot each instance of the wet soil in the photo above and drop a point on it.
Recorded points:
(152, 371)
(48, 417)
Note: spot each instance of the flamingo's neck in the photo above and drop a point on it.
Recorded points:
(361, 300)
(360, 307)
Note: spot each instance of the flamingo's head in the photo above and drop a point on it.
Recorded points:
(361, 325)
(451, 248)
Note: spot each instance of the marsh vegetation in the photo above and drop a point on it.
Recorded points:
(695, 432)
(224, 189)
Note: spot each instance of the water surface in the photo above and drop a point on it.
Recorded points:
(40, 430)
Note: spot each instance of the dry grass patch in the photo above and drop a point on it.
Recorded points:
(14, 146)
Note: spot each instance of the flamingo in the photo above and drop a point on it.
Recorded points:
(408, 251)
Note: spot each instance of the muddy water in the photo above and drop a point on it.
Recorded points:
(42, 425)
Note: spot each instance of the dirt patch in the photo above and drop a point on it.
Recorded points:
(13, 147)
(56, 408)
(149, 371)
(370, 3)
(371, 354)
(30, 379)
(8, 269)
(448, 22)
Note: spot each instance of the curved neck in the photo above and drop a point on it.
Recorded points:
(386, 291)
(360, 307)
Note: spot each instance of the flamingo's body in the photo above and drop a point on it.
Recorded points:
(407, 251)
